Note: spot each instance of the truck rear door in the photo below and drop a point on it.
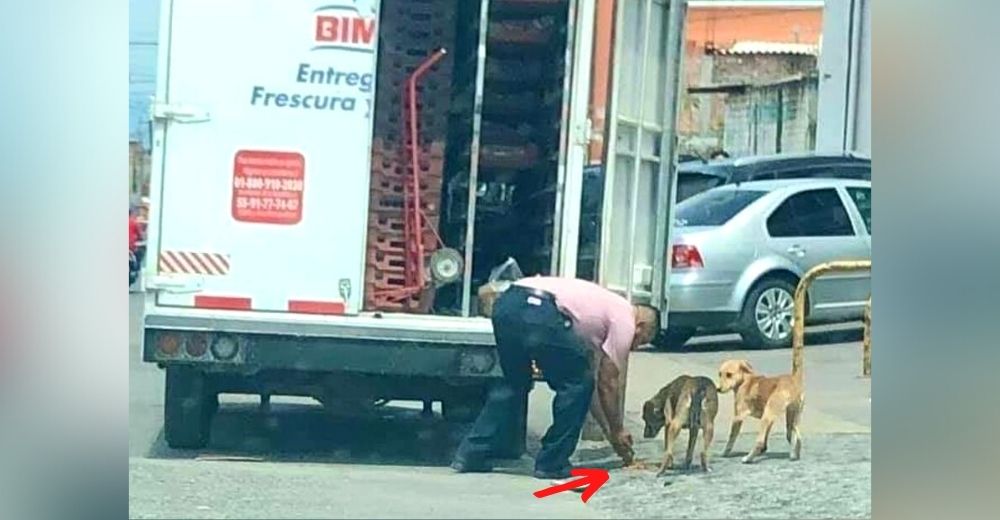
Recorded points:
(640, 165)
(263, 146)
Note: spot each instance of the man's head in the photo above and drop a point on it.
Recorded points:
(719, 155)
(654, 418)
(647, 324)
(732, 372)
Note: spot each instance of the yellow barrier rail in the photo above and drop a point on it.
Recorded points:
(866, 345)
(799, 320)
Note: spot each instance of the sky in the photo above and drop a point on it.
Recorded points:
(143, 27)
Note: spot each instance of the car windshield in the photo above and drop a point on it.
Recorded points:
(714, 207)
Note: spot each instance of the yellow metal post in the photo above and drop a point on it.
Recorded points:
(798, 321)
(866, 363)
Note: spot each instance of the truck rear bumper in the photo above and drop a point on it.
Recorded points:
(394, 350)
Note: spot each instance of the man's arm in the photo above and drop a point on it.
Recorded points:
(596, 408)
(610, 415)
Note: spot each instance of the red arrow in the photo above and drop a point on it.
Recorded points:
(592, 478)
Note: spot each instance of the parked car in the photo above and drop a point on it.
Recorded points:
(740, 249)
(697, 176)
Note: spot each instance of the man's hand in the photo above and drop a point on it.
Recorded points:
(623, 446)
(624, 437)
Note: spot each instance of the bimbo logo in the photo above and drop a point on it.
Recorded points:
(345, 27)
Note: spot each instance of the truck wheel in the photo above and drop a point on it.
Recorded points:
(188, 408)
(465, 407)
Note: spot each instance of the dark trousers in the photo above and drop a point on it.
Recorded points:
(528, 325)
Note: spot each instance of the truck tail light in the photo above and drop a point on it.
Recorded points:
(686, 256)
(196, 345)
(168, 344)
(225, 347)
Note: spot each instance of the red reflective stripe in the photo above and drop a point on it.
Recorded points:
(222, 302)
(310, 307)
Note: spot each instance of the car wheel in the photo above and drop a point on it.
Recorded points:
(673, 338)
(188, 408)
(766, 320)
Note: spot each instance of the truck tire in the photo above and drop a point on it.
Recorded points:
(188, 408)
(464, 407)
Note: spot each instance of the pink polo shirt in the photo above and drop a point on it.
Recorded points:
(602, 318)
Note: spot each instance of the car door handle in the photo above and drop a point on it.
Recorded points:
(796, 250)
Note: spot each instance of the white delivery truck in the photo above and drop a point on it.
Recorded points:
(334, 179)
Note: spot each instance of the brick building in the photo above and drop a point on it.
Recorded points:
(717, 34)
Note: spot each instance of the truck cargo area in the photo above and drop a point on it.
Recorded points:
(481, 184)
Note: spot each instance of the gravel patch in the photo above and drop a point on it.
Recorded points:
(832, 480)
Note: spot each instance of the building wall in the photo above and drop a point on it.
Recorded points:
(700, 119)
(705, 119)
(773, 119)
(758, 68)
(722, 26)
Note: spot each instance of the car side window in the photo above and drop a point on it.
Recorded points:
(862, 198)
(814, 213)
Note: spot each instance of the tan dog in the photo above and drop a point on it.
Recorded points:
(685, 401)
(764, 398)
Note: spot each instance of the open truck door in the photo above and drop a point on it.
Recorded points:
(639, 160)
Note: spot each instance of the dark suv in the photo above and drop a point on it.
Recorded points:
(697, 176)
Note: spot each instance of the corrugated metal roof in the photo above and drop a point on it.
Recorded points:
(753, 47)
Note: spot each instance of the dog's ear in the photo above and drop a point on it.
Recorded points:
(745, 367)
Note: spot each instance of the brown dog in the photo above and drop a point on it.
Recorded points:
(685, 401)
(764, 398)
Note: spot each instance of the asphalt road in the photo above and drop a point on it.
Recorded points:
(296, 462)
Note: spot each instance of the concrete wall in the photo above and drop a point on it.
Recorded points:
(758, 118)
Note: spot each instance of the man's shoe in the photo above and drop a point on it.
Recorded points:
(461, 466)
(553, 475)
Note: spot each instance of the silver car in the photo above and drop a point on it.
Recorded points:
(740, 249)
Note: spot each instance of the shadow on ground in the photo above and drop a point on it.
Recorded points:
(306, 433)
(303, 432)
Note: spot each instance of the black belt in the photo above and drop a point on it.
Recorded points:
(539, 293)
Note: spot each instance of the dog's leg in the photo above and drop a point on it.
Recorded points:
(765, 429)
(708, 430)
(670, 434)
(792, 416)
(692, 439)
(734, 432)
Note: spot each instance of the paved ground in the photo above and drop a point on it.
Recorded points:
(298, 463)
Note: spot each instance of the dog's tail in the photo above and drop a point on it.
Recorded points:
(694, 411)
